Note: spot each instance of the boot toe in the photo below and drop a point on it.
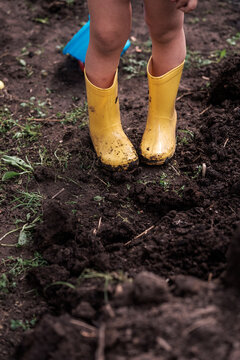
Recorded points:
(117, 153)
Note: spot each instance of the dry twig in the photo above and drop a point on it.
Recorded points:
(205, 110)
(58, 193)
(140, 235)
(101, 343)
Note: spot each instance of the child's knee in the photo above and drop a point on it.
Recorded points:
(164, 31)
(109, 39)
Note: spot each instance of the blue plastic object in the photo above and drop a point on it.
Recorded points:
(78, 45)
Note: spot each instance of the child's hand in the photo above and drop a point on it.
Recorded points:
(185, 5)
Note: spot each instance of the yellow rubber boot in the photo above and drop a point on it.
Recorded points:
(109, 140)
(159, 138)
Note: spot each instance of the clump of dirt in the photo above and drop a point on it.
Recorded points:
(183, 320)
(233, 269)
(227, 83)
(63, 337)
(57, 226)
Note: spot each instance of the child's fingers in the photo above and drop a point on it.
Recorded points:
(186, 5)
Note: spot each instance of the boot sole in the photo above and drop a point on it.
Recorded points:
(128, 167)
(156, 162)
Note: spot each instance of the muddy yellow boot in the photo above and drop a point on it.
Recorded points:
(109, 140)
(159, 138)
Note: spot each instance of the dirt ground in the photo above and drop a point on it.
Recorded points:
(140, 265)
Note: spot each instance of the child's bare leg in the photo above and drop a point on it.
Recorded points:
(110, 27)
(165, 24)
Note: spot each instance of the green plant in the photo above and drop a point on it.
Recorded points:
(6, 120)
(185, 136)
(193, 20)
(23, 324)
(107, 277)
(4, 284)
(78, 114)
(164, 182)
(9, 125)
(31, 201)
(43, 21)
(29, 129)
(99, 198)
(134, 67)
(18, 265)
(36, 107)
(20, 164)
(179, 191)
(195, 58)
(218, 55)
(24, 234)
(234, 39)
(197, 172)
(62, 158)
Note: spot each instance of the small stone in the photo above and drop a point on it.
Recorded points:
(2, 86)
(188, 285)
(84, 311)
(150, 288)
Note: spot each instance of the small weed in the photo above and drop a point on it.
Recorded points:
(24, 234)
(195, 58)
(186, 136)
(24, 166)
(30, 201)
(99, 198)
(78, 114)
(134, 67)
(124, 219)
(21, 62)
(218, 55)
(37, 108)
(163, 181)
(45, 158)
(29, 129)
(179, 191)
(8, 125)
(234, 39)
(62, 157)
(193, 20)
(198, 172)
(6, 120)
(107, 277)
(23, 324)
(43, 21)
(18, 266)
(4, 284)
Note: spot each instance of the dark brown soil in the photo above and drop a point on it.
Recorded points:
(139, 265)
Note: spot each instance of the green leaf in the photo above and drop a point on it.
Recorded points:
(15, 161)
(9, 175)
(22, 62)
(98, 198)
(23, 238)
(42, 20)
